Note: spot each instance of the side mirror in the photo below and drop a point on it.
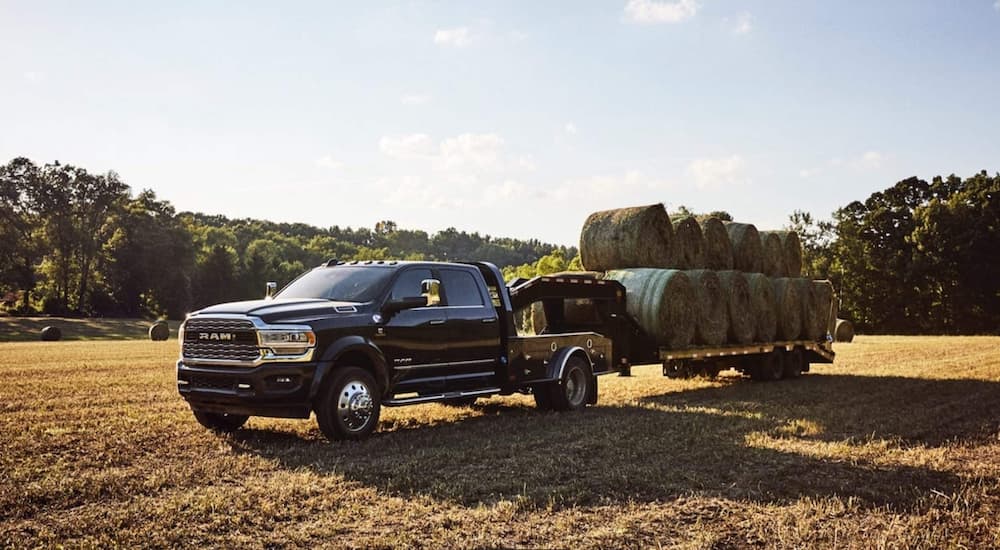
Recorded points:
(410, 302)
(272, 289)
(431, 289)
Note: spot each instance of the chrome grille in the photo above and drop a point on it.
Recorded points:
(242, 348)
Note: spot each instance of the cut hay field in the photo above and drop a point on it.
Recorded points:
(897, 445)
(28, 329)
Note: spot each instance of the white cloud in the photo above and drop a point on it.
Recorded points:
(507, 190)
(996, 5)
(570, 128)
(744, 24)
(479, 150)
(457, 37)
(710, 172)
(34, 76)
(870, 159)
(411, 146)
(327, 161)
(652, 11)
(415, 99)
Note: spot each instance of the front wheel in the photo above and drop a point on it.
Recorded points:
(349, 406)
(573, 389)
(220, 422)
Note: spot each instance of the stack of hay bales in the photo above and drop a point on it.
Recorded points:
(688, 280)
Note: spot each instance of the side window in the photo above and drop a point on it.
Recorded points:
(460, 288)
(408, 283)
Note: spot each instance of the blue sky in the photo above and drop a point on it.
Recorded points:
(507, 118)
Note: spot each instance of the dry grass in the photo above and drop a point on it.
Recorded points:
(28, 329)
(895, 446)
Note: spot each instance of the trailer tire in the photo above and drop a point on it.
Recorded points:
(543, 396)
(220, 422)
(794, 363)
(769, 367)
(349, 405)
(572, 391)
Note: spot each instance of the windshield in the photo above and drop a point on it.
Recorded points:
(342, 284)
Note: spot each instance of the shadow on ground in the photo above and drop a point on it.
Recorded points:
(667, 446)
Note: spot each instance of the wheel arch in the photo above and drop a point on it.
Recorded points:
(557, 363)
(355, 351)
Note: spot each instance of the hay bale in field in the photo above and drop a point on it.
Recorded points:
(772, 261)
(787, 308)
(717, 248)
(51, 334)
(762, 305)
(712, 319)
(824, 312)
(688, 244)
(844, 331)
(662, 301)
(159, 331)
(640, 236)
(791, 253)
(739, 307)
(746, 246)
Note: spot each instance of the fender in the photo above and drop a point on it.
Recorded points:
(344, 345)
(557, 363)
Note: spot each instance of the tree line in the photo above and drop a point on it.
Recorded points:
(74, 242)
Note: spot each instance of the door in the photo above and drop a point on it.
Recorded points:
(473, 327)
(414, 340)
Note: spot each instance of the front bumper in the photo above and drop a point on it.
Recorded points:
(279, 390)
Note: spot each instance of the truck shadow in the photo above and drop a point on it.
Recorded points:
(740, 440)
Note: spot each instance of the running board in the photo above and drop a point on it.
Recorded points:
(439, 397)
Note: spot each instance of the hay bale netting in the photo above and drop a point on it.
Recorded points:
(717, 248)
(712, 319)
(739, 307)
(662, 301)
(159, 331)
(763, 307)
(787, 308)
(640, 236)
(688, 244)
(825, 314)
(746, 246)
(791, 252)
(844, 331)
(772, 260)
(51, 334)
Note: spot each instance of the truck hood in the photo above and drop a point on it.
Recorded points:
(292, 309)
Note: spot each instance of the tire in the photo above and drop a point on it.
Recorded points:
(220, 422)
(769, 367)
(794, 363)
(543, 397)
(573, 389)
(349, 405)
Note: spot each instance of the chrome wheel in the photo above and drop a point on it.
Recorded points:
(355, 405)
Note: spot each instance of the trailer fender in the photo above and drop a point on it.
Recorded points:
(557, 363)
(373, 360)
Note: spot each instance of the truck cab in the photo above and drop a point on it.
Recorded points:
(344, 339)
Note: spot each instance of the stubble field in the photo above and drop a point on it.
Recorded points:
(896, 445)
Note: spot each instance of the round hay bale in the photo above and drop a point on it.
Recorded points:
(772, 258)
(844, 331)
(746, 246)
(712, 321)
(813, 314)
(688, 243)
(762, 305)
(662, 301)
(51, 334)
(159, 331)
(787, 308)
(791, 252)
(825, 313)
(739, 307)
(717, 250)
(640, 236)
(534, 318)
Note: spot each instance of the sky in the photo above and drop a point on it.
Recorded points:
(507, 118)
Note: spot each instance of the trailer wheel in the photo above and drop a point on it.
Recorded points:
(573, 389)
(220, 422)
(349, 406)
(794, 363)
(543, 397)
(769, 367)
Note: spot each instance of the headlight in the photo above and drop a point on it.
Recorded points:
(288, 342)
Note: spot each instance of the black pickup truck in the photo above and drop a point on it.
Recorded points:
(345, 339)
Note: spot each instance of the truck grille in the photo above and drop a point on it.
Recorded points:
(220, 339)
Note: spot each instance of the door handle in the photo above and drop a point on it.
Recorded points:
(491, 320)
(437, 321)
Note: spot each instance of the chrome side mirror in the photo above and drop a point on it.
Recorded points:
(431, 288)
(272, 289)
